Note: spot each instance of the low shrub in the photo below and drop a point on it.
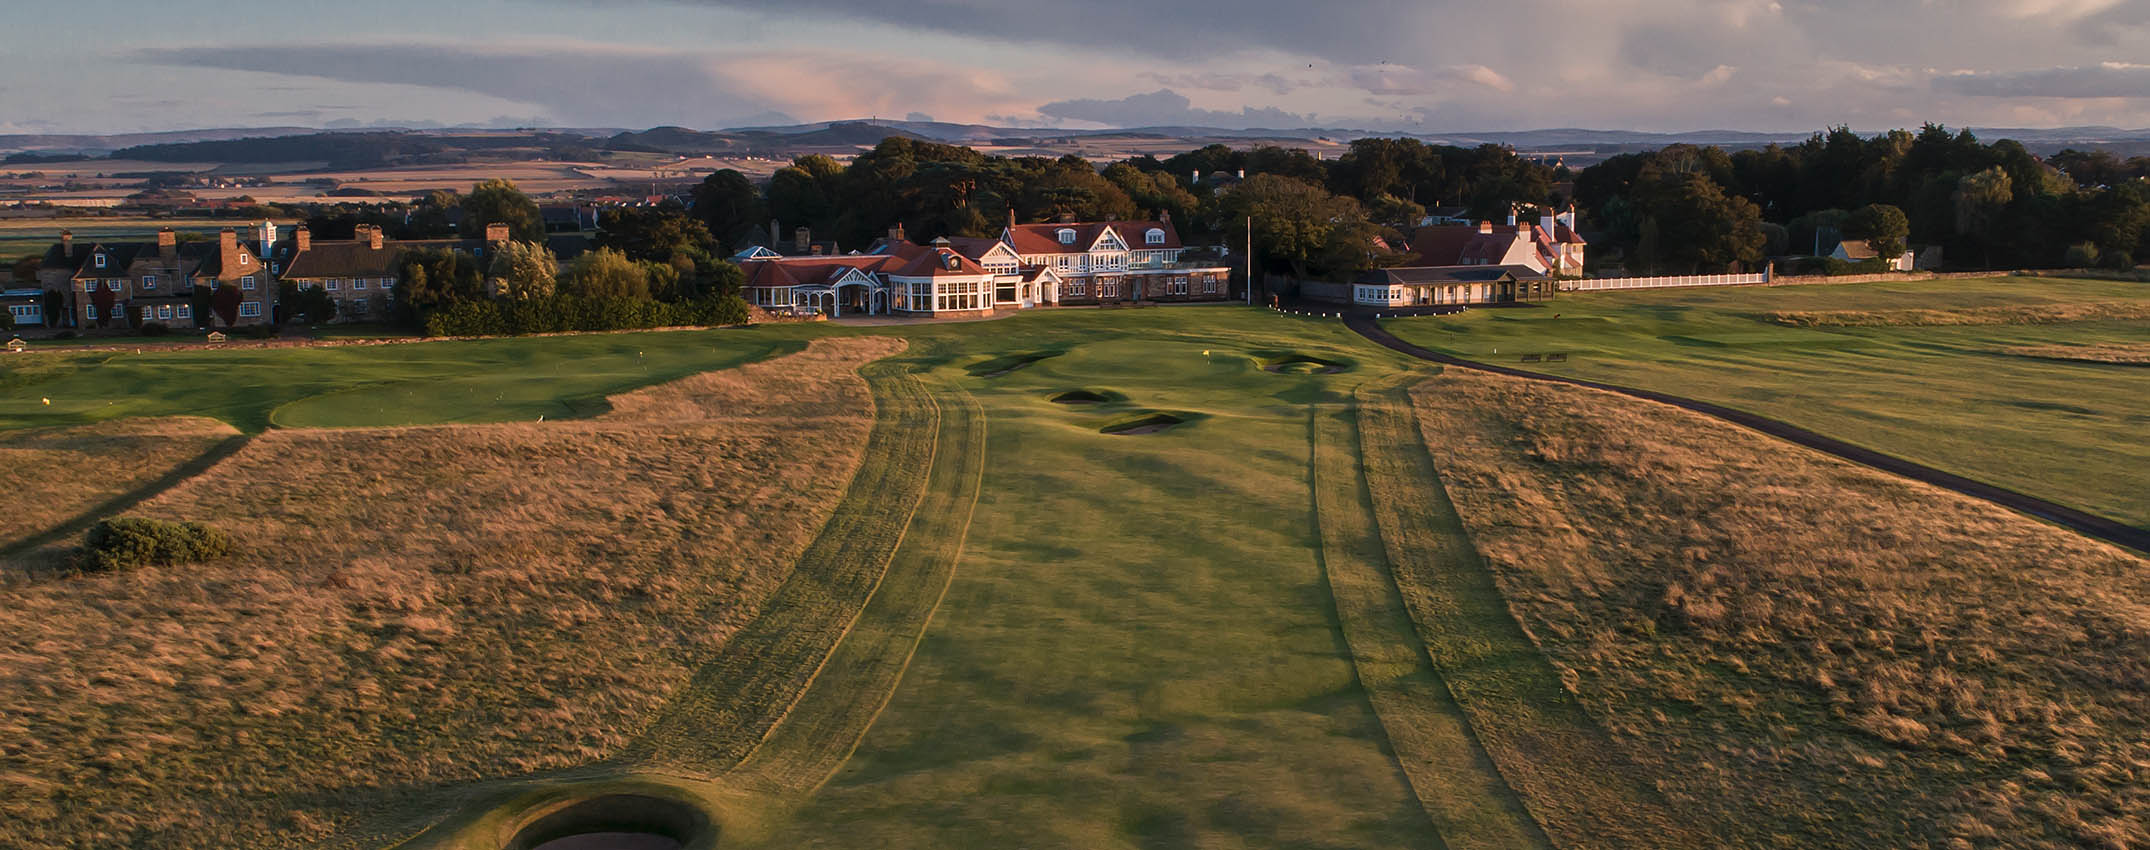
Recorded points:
(65, 335)
(256, 331)
(129, 543)
(155, 329)
(561, 313)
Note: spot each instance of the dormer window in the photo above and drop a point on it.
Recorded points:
(1154, 237)
(149, 281)
(100, 261)
(1067, 237)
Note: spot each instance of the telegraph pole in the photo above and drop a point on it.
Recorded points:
(1250, 261)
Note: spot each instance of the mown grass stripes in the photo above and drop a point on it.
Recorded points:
(733, 702)
(1575, 781)
(856, 682)
(1455, 780)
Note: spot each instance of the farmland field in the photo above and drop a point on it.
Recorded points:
(1929, 371)
(1096, 579)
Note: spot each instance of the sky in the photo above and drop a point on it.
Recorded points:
(1426, 66)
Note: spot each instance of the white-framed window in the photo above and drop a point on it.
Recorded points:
(388, 283)
(26, 313)
(149, 281)
(1176, 286)
(246, 259)
(1209, 284)
(335, 284)
(1154, 237)
(112, 285)
(250, 309)
(1075, 288)
(247, 283)
(358, 283)
(89, 286)
(164, 312)
(149, 313)
(100, 261)
(1108, 289)
(1067, 237)
(186, 311)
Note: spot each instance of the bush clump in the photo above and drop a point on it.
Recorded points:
(561, 313)
(129, 543)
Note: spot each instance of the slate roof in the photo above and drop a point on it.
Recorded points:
(1410, 275)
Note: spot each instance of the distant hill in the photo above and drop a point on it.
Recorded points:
(100, 145)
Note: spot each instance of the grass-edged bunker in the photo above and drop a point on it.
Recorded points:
(1007, 363)
(1301, 363)
(618, 822)
(1085, 397)
(1149, 422)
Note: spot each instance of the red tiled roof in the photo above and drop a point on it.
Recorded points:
(1045, 238)
(1443, 244)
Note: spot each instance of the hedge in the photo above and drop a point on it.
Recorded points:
(561, 313)
(130, 543)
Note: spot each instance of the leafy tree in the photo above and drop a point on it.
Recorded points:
(429, 216)
(498, 201)
(521, 271)
(1296, 223)
(1698, 227)
(312, 305)
(656, 234)
(605, 273)
(729, 206)
(799, 197)
(430, 279)
(1884, 228)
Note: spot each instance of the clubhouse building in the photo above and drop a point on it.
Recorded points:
(1029, 266)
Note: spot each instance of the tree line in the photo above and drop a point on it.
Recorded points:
(1688, 208)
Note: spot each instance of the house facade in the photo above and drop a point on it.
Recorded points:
(1029, 266)
(358, 274)
(1436, 286)
(1116, 262)
(120, 285)
(1551, 246)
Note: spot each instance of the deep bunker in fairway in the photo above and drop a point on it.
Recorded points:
(1298, 363)
(1147, 423)
(1082, 397)
(617, 822)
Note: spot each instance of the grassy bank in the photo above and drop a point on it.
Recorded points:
(1943, 395)
(1808, 652)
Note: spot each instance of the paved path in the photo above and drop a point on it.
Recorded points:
(2093, 525)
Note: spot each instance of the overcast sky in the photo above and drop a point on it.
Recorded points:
(1418, 65)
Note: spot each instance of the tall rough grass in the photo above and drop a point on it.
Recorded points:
(1811, 653)
(2019, 314)
(417, 607)
(50, 476)
(2131, 355)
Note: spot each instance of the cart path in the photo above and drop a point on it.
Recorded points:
(2092, 525)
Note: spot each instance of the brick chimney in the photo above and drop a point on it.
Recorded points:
(167, 240)
(304, 237)
(802, 238)
(1485, 227)
(895, 234)
(374, 236)
(67, 243)
(227, 246)
(495, 232)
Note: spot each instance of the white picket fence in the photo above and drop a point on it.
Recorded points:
(1600, 284)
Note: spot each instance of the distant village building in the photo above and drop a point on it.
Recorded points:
(117, 285)
(1550, 246)
(360, 274)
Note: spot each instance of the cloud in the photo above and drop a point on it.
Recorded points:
(2111, 79)
(1225, 81)
(1164, 108)
(1406, 80)
(606, 85)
